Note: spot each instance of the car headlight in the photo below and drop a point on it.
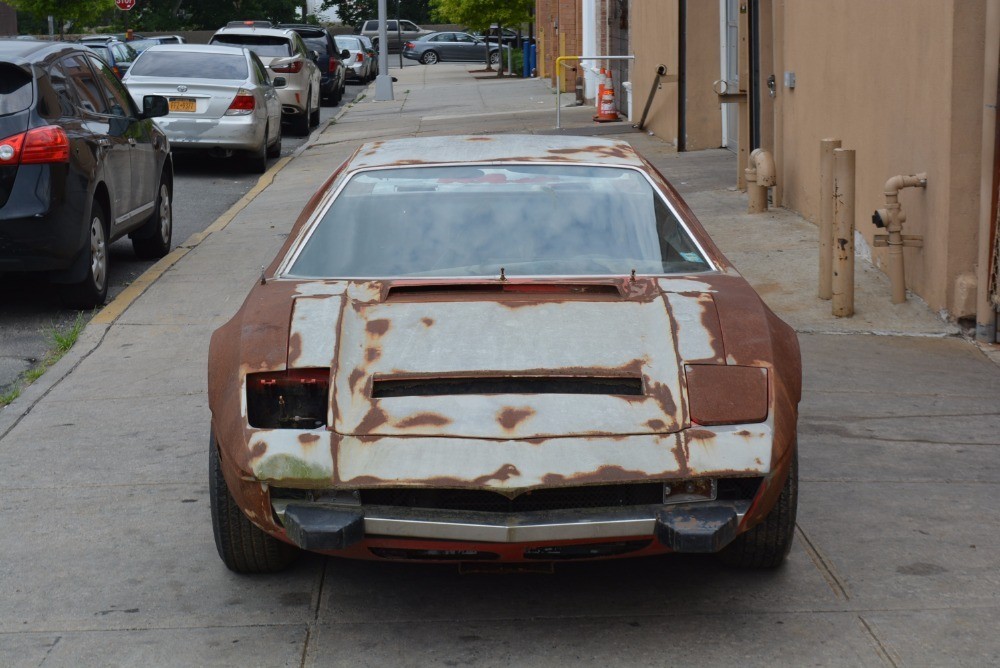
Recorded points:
(720, 394)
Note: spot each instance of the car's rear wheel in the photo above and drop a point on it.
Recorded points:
(302, 122)
(93, 289)
(494, 57)
(429, 57)
(152, 240)
(314, 115)
(767, 544)
(257, 160)
(274, 150)
(243, 547)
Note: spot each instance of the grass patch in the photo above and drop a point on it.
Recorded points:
(61, 340)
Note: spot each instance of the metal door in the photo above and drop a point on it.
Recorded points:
(730, 72)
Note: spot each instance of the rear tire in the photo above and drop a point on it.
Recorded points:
(314, 115)
(429, 58)
(153, 239)
(257, 161)
(302, 121)
(243, 547)
(767, 544)
(274, 150)
(92, 291)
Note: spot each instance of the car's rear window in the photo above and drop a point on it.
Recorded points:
(15, 89)
(184, 65)
(530, 220)
(101, 51)
(317, 44)
(351, 43)
(263, 45)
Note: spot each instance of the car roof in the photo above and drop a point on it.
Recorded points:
(495, 149)
(29, 51)
(247, 30)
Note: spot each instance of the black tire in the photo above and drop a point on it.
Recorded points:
(429, 57)
(243, 547)
(152, 240)
(767, 544)
(494, 57)
(257, 160)
(314, 116)
(92, 291)
(274, 150)
(301, 122)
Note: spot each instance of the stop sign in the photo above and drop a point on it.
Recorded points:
(125, 4)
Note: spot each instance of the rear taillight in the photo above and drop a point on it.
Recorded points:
(719, 394)
(408, 45)
(40, 146)
(290, 68)
(117, 71)
(242, 104)
(360, 58)
(333, 65)
(293, 399)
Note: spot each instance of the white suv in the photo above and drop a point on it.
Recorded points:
(285, 54)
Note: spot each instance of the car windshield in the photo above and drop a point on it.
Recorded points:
(472, 220)
(262, 45)
(190, 65)
(349, 43)
(15, 89)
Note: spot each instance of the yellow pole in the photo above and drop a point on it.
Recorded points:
(562, 52)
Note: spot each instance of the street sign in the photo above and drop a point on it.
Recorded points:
(125, 5)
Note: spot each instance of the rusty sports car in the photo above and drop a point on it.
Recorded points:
(506, 349)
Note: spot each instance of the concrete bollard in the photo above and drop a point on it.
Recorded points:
(826, 148)
(843, 218)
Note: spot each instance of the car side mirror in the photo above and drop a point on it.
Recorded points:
(154, 106)
(279, 82)
(345, 54)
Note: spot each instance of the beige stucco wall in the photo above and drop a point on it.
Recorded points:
(653, 26)
(899, 81)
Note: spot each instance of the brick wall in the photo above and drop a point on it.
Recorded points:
(557, 22)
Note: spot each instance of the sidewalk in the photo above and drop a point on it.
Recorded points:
(108, 551)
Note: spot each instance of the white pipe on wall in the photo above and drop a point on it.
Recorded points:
(589, 46)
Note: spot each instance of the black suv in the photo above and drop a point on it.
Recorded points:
(330, 61)
(80, 166)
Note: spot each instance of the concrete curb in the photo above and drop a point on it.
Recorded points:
(94, 332)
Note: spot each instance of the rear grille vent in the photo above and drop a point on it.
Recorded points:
(436, 387)
(582, 289)
(598, 496)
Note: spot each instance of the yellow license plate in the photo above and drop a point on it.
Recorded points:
(181, 104)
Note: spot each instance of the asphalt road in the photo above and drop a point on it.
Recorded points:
(204, 188)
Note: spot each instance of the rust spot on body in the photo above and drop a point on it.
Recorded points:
(602, 475)
(294, 348)
(701, 434)
(377, 327)
(355, 378)
(308, 439)
(423, 420)
(372, 354)
(509, 418)
(503, 474)
(375, 418)
(428, 322)
(656, 425)
(258, 450)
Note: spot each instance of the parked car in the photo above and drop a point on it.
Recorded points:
(104, 39)
(220, 97)
(284, 53)
(360, 64)
(141, 45)
(118, 55)
(509, 37)
(370, 50)
(397, 35)
(502, 348)
(81, 165)
(451, 46)
(332, 70)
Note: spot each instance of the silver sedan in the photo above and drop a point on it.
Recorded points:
(221, 100)
(451, 46)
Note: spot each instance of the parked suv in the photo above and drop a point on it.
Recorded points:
(330, 62)
(118, 55)
(80, 166)
(283, 52)
(407, 32)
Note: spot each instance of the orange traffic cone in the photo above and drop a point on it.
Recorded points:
(606, 111)
(601, 79)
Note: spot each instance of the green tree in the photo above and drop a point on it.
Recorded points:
(480, 14)
(353, 12)
(79, 12)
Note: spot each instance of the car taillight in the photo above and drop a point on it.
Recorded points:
(43, 145)
(333, 65)
(360, 57)
(293, 399)
(408, 45)
(242, 104)
(719, 394)
(290, 68)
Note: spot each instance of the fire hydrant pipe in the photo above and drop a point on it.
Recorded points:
(760, 176)
(843, 217)
(894, 227)
(826, 147)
